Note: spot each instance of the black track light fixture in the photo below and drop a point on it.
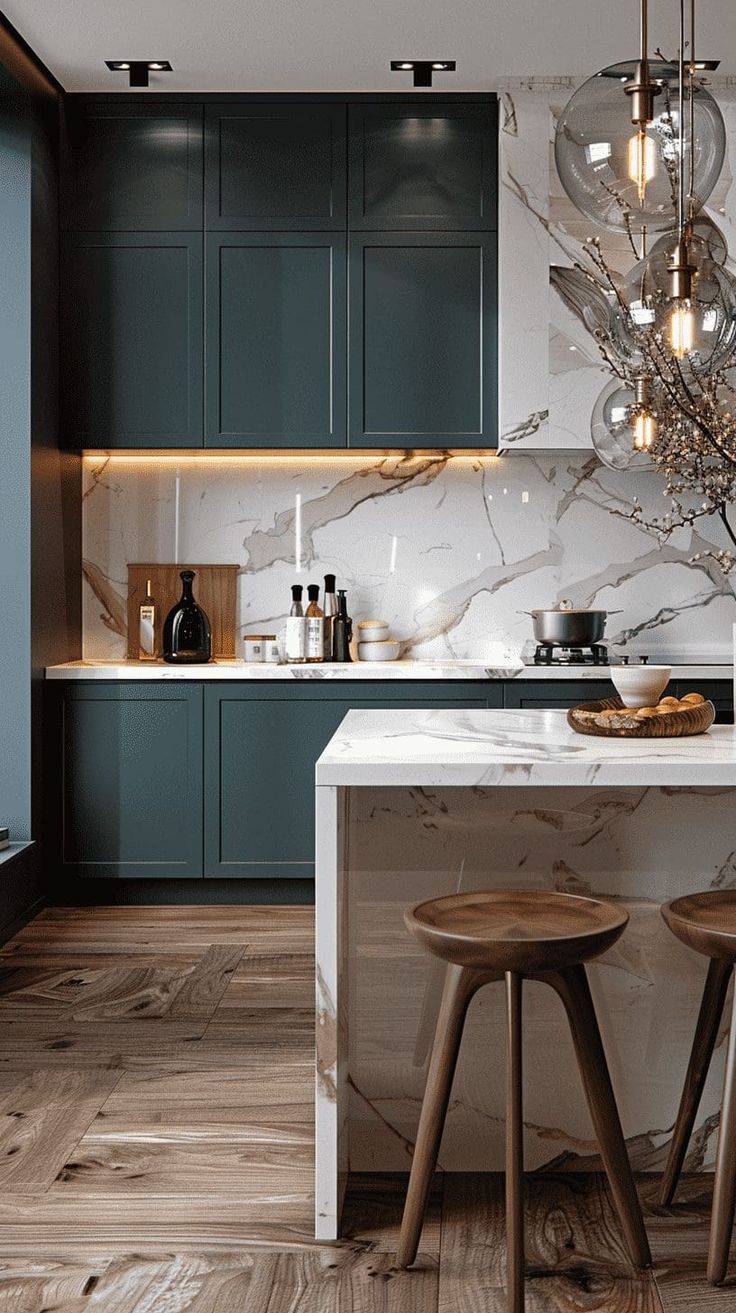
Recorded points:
(423, 69)
(138, 69)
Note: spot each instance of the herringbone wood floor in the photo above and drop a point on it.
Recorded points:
(156, 1146)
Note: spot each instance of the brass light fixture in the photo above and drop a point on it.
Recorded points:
(681, 266)
(642, 91)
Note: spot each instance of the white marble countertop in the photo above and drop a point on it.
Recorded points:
(417, 670)
(490, 748)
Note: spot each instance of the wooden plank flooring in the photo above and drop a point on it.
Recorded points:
(156, 1147)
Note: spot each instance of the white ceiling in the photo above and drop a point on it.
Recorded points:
(346, 45)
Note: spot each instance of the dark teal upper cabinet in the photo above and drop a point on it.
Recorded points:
(422, 340)
(422, 166)
(132, 340)
(275, 167)
(276, 339)
(133, 166)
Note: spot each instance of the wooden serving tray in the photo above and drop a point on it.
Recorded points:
(673, 725)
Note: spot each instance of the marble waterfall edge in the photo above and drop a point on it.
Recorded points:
(387, 846)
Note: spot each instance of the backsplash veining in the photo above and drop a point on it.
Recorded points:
(451, 551)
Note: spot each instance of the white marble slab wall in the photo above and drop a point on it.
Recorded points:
(550, 370)
(451, 551)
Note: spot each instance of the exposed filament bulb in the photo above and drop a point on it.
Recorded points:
(642, 161)
(682, 324)
(645, 430)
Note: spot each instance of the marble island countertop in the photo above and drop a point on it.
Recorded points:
(467, 669)
(432, 749)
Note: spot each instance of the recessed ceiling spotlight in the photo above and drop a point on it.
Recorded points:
(138, 69)
(422, 69)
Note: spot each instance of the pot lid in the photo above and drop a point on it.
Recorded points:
(565, 607)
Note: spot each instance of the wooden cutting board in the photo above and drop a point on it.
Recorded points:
(215, 589)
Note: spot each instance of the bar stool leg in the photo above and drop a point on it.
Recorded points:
(724, 1188)
(514, 1147)
(574, 990)
(706, 1033)
(460, 985)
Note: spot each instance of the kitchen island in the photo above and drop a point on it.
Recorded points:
(412, 804)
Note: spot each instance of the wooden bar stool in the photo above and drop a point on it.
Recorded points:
(512, 935)
(707, 923)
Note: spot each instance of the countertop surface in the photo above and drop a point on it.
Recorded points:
(514, 748)
(416, 670)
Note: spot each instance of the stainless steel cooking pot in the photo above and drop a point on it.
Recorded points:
(565, 626)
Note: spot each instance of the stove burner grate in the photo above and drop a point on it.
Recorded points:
(549, 654)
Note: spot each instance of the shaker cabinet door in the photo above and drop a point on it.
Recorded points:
(422, 340)
(261, 747)
(276, 340)
(132, 340)
(423, 166)
(275, 167)
(132, 780)
(132, 166)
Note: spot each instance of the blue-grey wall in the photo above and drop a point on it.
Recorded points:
(15, 464)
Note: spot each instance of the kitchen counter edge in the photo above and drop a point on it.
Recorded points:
(365, 670)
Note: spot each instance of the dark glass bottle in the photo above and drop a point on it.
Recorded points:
(342, 629)
(187, 636)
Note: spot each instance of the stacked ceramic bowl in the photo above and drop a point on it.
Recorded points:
(375, 642)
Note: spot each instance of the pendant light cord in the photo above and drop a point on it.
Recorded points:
(681, 128)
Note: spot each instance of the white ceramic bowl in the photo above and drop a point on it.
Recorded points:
(388, 650)
(640, 686)
(372, 631)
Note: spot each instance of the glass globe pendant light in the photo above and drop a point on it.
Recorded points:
(623, 426)
(618, 142)
(701, 328)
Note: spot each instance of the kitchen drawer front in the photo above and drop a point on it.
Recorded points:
(422, 340)
(555, 694)
(132, 781)
(417, 167)
(261, 747)
(276, 167)
(133, 167)
(276, 340)
(132, 340)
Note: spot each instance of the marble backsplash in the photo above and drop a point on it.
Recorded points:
(452, 551)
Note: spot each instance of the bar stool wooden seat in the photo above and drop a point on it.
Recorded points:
(511, 935)
(707, 923)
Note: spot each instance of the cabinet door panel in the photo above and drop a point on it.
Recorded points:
(423, 166)
(261, 749)
(132, 780)
(276, 340)
(422, 341)
(132, 340)
(555, 694)
(133, 166)
(718, 691)
(275, 167)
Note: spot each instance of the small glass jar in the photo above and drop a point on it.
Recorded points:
(255, 647)
(271, 649)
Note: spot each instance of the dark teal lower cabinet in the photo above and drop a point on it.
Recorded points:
(261, 745)
(557, 694)
(532, 694)
(718, 691)
(132, 782)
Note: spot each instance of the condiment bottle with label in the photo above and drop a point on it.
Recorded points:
(147, 627)
(315, 626)
(296, 629)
